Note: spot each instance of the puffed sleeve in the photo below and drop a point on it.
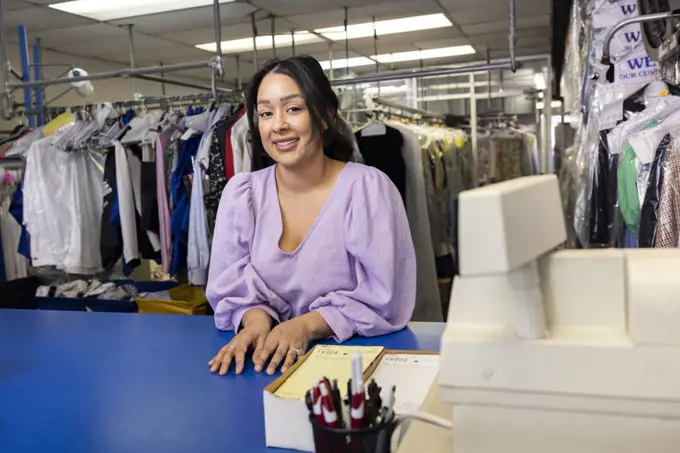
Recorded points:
(378, 238)
(234, 286)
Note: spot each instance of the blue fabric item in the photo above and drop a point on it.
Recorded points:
(179, 220)
(16, 208)
(128, 117)
(631, 240)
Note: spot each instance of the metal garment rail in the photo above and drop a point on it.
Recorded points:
(216, 64)
(395, 105)
(384, 77)
(153, 101)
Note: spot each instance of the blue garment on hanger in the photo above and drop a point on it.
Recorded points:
(179, 220)
(16, 208)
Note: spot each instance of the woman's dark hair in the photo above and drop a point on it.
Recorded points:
(321, 102)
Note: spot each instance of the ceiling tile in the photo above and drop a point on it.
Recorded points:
(189, 19)
(15, 5)
(522, 23)
(40, 19)
(297, 7)
(62, 38)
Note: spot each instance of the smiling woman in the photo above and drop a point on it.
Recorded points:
(314, 246)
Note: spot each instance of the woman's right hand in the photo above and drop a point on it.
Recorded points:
(256, 326)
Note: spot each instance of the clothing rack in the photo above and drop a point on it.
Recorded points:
(7, 98)
(152, 102)
(394, 105)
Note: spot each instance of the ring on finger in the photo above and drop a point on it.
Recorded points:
(231, 346)
(298, 352)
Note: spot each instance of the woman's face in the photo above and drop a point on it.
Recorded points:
(284, 122)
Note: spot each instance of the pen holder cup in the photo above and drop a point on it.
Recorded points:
(376, 439)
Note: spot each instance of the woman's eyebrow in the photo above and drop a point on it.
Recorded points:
(283, 99)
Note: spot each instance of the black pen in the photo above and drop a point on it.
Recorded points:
(337, 401)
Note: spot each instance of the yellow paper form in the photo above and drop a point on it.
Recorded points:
(62, 120)
(333, 362)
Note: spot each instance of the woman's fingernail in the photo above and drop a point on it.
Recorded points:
(258, 368)
(283, 370)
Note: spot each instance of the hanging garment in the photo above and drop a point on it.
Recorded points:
(383, 152)
(428, 305)
(198, 258)
(668, 226)
(216, 170)
(16, 209)
(137, 241)
(162, 142)
(241, 148)
(111, 246)
(149, 191)
(63, 208)
(126, 206)
(180, 187)
(16, 265)
(649, 214)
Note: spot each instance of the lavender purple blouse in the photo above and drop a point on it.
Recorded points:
(356, 266)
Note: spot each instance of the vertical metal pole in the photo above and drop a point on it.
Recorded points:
(238, 72)
(25, 71)
(219, 61)
(253, 25)
(512, 37)
(131, 41)
(375, 52)
(37, 75)
(162, 75)
(292, 38)
(273, 31)
(6, 100)
(346, 42)
(331, 74)
(547, 115)
(473, 130)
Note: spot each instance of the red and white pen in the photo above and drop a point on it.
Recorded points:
(316, 399)
(358, 396)
(329, 412)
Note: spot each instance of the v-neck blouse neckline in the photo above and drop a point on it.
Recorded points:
(279, 214)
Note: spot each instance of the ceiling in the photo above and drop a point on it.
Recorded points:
(170, 37)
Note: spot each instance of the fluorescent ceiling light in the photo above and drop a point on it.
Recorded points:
(263, 42)
(365, 30)
(118, 9)
(386, 27)
(400, 57)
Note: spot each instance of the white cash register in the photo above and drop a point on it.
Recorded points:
(568, 351)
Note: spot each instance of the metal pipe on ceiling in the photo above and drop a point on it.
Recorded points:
(133, 62)
(273, 32)
(123, 73)
(512, 36)
(253, 25)
(4, 63)
(346, 41)
(178, 83)
(219, 60)
(424, 73)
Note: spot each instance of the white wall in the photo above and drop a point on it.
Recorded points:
(105, 90)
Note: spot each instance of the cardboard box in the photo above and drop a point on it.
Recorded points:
(287, 421)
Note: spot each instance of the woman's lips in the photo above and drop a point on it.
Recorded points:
(286, 145)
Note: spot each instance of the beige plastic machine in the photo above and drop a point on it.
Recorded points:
(570, 351)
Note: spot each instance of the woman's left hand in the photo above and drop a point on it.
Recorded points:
(285, 343)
